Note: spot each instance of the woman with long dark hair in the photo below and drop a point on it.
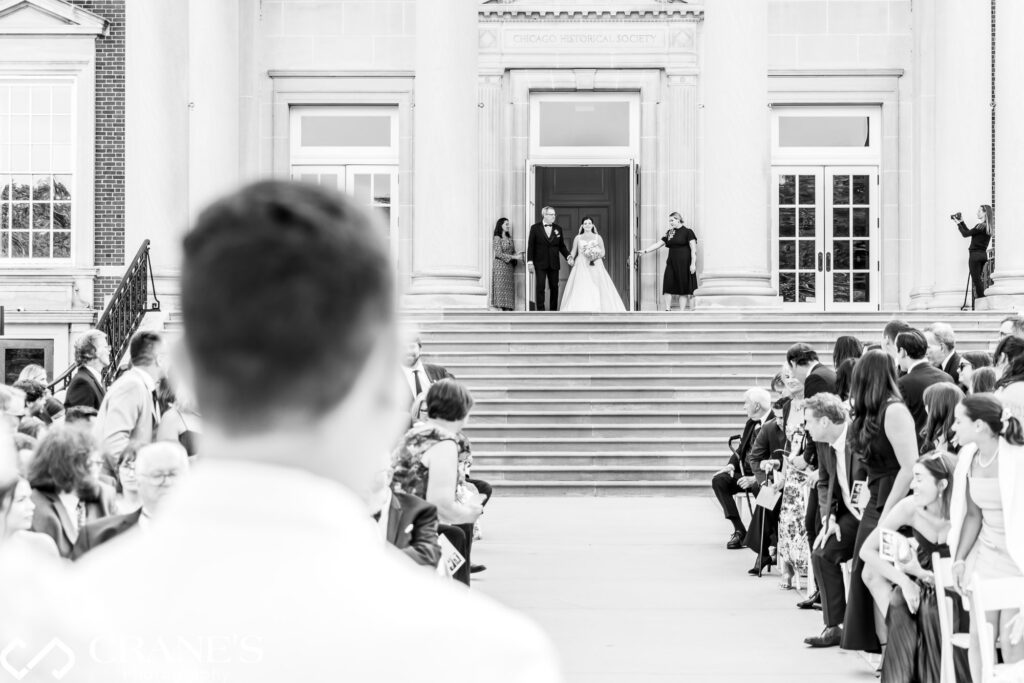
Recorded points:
(940, 400)
(844, 378)
(846, 347)
(882, 434)
(969, 362)
(977, 252)
(503, 289)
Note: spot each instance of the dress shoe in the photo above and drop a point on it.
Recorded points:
(830, 637)
(477, 568)
(763, 564)
(735, 541)
(810, 602)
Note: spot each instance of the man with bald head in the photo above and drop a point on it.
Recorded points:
(158, 468)
(737, 476)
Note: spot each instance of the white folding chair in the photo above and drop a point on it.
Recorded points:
(942, 568)
(991, 595)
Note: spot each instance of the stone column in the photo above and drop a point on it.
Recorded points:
(922, 251)
(681, 172)
(213, 42)
(963, 153)
(491, 192)
(446, 235)
(1008, 291)
(735, 156)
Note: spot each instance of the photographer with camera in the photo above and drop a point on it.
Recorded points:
(981, 235)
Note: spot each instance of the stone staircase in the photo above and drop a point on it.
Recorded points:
(631, 404)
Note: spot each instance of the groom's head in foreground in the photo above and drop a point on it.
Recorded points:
(287, 299)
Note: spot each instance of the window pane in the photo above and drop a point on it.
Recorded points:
(787, 222)
(860, 222)
(62, 245)
(40, 158)
(41, 99)
(807, 284)
(62, 187)
(787, 189)
(5, 244)
(841, 189)
(19, 217)
(861, 189)
(787, 287)
(382, 188)
(41, 187)
(823, 131)
(41, 245)
(5, 187)
(61, 158)
(807, 223)
(5, 127)
(329, 180)
(807, 189)
(21, 158)
(787, 255)
(20, 127)
(361, 187)
(61, 130)
(841, 222)
(345, 131)
(19, 244)
(841, 254)
(5, 216)
(62, 216)
(40, 216)
(62, 99)
(20, 99)
(584, 124)
(807, 254)
(841, 287)
(861, 287)
(17, 359)
(40, 129)
(861, 254)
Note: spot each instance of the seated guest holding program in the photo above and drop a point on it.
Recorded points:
(736, 476)
(431, 464)
(407, 522)
(271, 537)
(159, 467)
(766, 456)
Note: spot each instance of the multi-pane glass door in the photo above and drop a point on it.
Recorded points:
(825, 231)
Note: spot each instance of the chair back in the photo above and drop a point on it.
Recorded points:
(992, 595)
(942, 569)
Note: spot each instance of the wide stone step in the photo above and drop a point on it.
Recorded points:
(638, 440)
(681, 419)
(559, 344)
(629, 397)
(596, 430)
(715, 459)
(465, 368)
(659, 473)
(575, 487)
(625, 356)
(512, 384)
(817, 336)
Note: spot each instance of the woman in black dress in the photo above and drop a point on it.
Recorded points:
(977, 251)
(681, 267)
(882, 435)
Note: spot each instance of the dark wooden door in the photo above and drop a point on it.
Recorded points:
(601, 192)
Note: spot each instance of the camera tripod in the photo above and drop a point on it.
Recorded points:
(969, 289)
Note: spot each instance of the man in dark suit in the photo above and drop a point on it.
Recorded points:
(92, 354)
(419, 375)
(942, 349)
(817, 378)
(766, 455)
(838, 469)
(158, 468)
(546, 243)
(911, 347)
(893, 329)
(736, 476)
(411, 526)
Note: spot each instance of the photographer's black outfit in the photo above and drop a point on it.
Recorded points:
(977, 254)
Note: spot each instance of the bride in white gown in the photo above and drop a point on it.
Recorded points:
(590, 289)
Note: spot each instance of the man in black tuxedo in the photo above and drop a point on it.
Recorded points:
(826, 422)
(766, 455)
(736, 476)
(92, 354)
(159, 467)
(942, 349)
(911, 347)
(545, 244)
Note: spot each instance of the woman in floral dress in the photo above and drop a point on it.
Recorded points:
(503, 292)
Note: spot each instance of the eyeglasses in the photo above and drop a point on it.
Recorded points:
(128, 465)
(160, 477)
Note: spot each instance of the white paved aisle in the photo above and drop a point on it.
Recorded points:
(642, 590)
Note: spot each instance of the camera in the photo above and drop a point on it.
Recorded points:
(956, 216)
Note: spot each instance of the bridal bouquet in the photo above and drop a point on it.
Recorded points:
(592, 251)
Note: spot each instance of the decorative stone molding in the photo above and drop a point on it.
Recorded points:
(48, 17)
(659, 10)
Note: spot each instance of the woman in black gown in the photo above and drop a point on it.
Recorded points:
(681, 267)
(882, 434)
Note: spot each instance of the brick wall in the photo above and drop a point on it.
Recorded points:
(109, 246)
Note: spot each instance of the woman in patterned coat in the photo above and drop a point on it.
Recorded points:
(503, 292)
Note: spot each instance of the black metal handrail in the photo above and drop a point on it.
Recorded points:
(123, 314)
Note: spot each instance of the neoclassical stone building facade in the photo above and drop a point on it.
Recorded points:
(816, 147)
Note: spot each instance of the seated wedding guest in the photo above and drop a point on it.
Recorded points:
(940, 400)
(181, 422)
(765, 457)
(33, 373)
(83, 415)
(407, 522)
(983, 381)
(827, 423)
(737, 476)
(846, 347)
(128, 499)
(419, 375)
(130, 411)
(942, 349)
(429, 463)
(65, 489)
(92, 354)
(1011, 325)
(883, 434)
(987, 521)
(277, 513)
(844, 378)
(793, 546)
(1006, 350)
(911, 350)
(913, 651)
(969, 362)
(17, 508)
(159, 468)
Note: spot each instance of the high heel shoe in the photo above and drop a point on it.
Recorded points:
(763, 564)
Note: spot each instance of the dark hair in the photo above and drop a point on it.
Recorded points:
(1012, 349)
(31, 426)
(61, 463)
(941, 465)
(844, 378)
(281, 271)
(846, 347)
(940, 400)
(499, 228)
(989, 409)
(777, 381)
(984, 380)
(913, 342)
(79, 414)
(584, 220)
(448, 400)
(7, 489)
(893, 328)
(800, 354)
(874, 388)
(142, 347)
(871, 347)
(827, 405)
(977, 359)
(33, 390)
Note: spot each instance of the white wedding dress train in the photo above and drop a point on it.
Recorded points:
(590, 289)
